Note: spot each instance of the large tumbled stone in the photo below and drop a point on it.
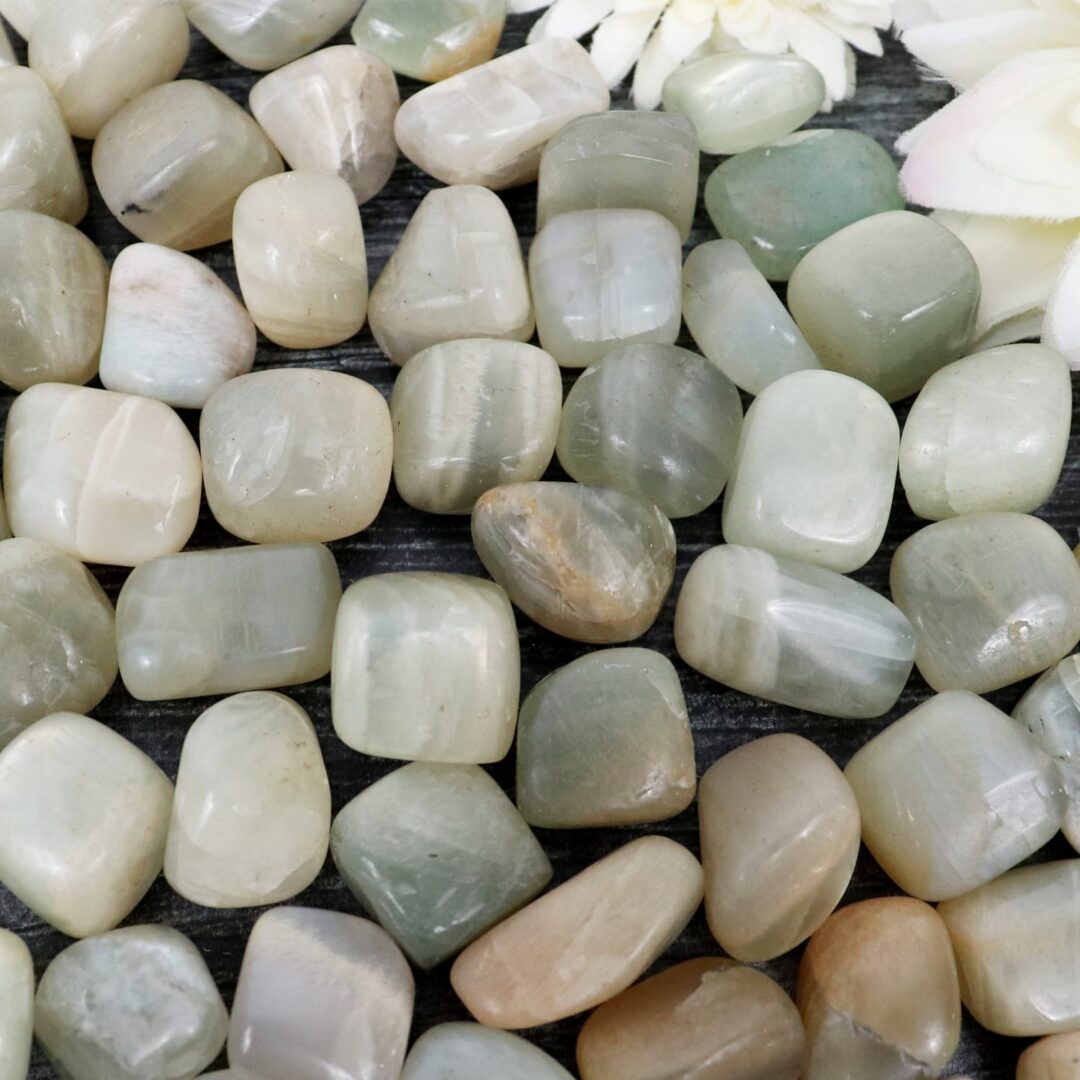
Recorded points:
(17, 1015)
(450, 1051)
(1056, 1057)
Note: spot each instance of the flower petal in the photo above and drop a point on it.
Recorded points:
(570, 18)
(675, 39)
(521, 7)
(1061, 328)
(824, 49)
(618, 42)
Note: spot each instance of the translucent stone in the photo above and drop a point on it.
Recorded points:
(426, 668)
(109, 478)
(656, 421)
(450, 1051)
(605, 741)
(1056, 1057)
(217, 622)
(583, 942)
(21, 14)
(457, 272)
(470, 415)
(994, 598)
(889, 300)
(171, 164)
(333, 112)
(251, 819)
(709, 1018)
(17, 1016)
(129, 1004)
(488, 125)
(321, 996)
(53, 282)
(627, 159)
(988, 433)
(878, 993)
(781, 200)
(7, 53)
(83, 818)
(741, 100)
(438, 854)
(173, 329)
(738, 320)
(815, 471)
(589, 563)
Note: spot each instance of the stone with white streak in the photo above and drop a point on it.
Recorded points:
(459, 1050)
(17, 1015)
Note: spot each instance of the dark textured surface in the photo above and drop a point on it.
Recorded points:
(891, 98)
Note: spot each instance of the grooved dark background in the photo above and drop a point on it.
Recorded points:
(891, 98)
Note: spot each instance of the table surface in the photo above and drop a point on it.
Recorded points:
(891, 98)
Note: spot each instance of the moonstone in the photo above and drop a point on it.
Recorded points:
(130, 1004)
(457, 272)
(83, 818)
(426, 667)
(171, 164)
(589, 563)
(217, 622)
(438, 854)
(1057, 1057)
(489, 125)
(333, 112)
(459, 1051)
(583, 942)
(993, 598)
(17, 1015)
(109, 478)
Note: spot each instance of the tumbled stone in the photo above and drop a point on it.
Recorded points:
(7, 53)
(218, 622)
(457, 272)
(707, 1018)
(889, 300)
(251, 818)
(21, 14)
(450, 1051)
(605, 741)
(488, 125)
(878, 993)
(333, 112)
(173, 329)
(993, 598)
(171, 164)
(109, 478)
(583, 942)
(321, 995)
(470, 415)
(17, 1016)
(5, 528)
(426, 668)
(1056, 1057)
(83, 818)
(130, 1004)
(815, 471)
(589, 563)
(438, 854)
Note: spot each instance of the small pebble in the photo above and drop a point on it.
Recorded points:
(460, 1051)
(1057, 1057)
(17, 1015)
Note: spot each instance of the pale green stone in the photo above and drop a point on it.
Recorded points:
(463, 1051)
(17, 1011)
(438, 854)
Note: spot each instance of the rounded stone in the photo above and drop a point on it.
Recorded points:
(459, 1050)
(17, 1017)
(21, 14)
(1056, 1057)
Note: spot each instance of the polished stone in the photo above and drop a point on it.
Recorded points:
(459, 1051)
(22, 14)
(17, 1016)
(1056, 1057)
(7, 53)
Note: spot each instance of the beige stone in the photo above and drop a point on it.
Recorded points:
(17, 1015)
(1057, 1057)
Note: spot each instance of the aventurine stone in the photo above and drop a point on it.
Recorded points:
(460, 1050)
(17, 1016)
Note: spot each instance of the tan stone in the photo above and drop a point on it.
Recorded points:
(1057, 1057)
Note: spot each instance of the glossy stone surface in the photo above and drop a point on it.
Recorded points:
(7, 53)
(457, 1050)
(17, 1017)
(426, 667)
(217, 622)
(993, 598)
(589, 563)
(438, 854)
(889, 300)
(489, 125)
(129, 1004)
(21, 14)
(1057, 1057)
(584, 941)
(83, 818)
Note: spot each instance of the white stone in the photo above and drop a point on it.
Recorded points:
(21, 14)
(460, 1051)
(17, 1014)
(7, 53)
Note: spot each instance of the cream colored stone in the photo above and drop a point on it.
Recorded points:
(21, 14)
(17, 1014)
(7, 53)
(1056, 1057)
(459, 1051)
(5, 528)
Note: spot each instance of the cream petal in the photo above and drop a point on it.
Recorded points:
(1061, 327)
(618, 42)
(675, 39)
(827, 51)
(570, 18)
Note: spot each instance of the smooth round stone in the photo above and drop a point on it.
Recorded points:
(779, 201)
(741, 100)
(988, 432)
(333, 112)
(815, 471)
(17, 1016)
(709, 1018)
(994, 598)
(108, 478)
(583, 942)
(878, 993)
(130, 1004)
(438, 854)
(888, 300)
(426, 668)
(1057, 1057)
(21, 14)
(470, 415)
(171, 164)
(589, 563)
(5, 528)
(83, 818)
(296, 454)
(7, 53)
(173, 329)
(605, 741)
(461, 1050)
(251, 819)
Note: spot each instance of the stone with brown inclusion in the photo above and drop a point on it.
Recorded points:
(1057, 1057)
